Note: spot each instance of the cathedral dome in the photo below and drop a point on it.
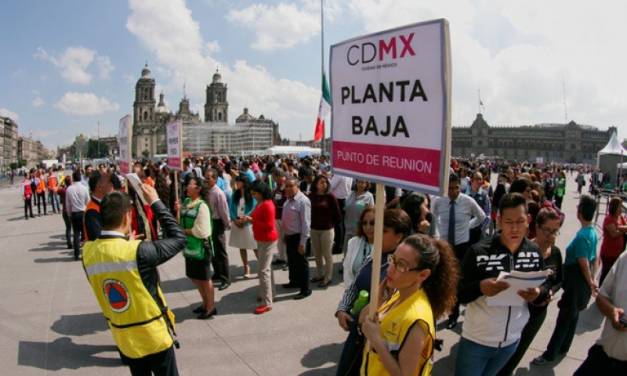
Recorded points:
(217, 77)
(146, 72)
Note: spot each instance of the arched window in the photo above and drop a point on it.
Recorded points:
(220, 115)
(145, 115)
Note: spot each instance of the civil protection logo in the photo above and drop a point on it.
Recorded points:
(117, 295)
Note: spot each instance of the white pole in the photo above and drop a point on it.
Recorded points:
(322, 61)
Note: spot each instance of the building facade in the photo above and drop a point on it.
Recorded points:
(31, 152)
(569, 143)
(8, 143)
(213, 136)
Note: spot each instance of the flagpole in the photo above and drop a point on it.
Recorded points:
(322, 65)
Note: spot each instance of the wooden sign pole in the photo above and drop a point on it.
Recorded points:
(378, 251)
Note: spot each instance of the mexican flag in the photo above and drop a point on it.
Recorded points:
(323, 110)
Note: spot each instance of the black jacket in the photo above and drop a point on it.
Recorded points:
(152, 254)
(494, 326)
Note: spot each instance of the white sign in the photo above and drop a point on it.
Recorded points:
(391, 107)
(174, 134)
(125, 135)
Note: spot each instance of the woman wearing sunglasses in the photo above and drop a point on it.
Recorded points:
(424, 273)
(359, 247)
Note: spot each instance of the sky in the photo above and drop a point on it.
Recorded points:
(70, 66)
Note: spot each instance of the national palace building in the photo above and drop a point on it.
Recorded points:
(570, 143)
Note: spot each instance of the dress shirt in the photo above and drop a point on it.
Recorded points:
(76, 198)
(296, 217)
(341, 186)
(219, 206)
(468, 214)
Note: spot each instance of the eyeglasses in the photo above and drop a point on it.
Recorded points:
(548, 232)
(366, 223)
(400, 265)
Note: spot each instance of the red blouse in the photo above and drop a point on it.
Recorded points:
(264, 229)
(612, 246)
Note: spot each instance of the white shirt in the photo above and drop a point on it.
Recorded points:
(76, 198)
(615, 289)
(468, 214)
(341, 186)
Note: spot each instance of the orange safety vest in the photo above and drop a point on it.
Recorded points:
(91, 205)
(53, 184)
(41, 187)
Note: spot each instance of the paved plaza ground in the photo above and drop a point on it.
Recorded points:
(50, 321)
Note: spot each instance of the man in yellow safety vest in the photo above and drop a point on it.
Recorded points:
(124, 278)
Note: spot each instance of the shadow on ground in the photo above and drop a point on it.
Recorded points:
(50, 246)
(321, 356)
(62, 353)
(80, 325)
(177, 285)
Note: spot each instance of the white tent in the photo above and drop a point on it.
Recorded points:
(300, 151)
(610, 158)
(613, 147)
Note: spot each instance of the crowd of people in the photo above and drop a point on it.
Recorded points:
(441, 255)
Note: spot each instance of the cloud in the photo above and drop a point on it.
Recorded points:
(104, 67)
(167, 28)
(8, 113)
(75, 62)
(524, 57)
(38, 102)
(283, 25)
(212, 47)
(85, 104)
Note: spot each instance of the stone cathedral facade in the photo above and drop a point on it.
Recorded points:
(214, 135)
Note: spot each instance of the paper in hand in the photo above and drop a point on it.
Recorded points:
(517, 281)
(136, 182)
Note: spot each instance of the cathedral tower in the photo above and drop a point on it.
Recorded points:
(216, 106)
(144, 114)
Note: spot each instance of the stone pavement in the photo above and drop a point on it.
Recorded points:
(51, 322)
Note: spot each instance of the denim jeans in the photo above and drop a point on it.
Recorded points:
(474, 359)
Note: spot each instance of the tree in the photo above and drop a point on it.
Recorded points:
(96, 151)
(145, 153)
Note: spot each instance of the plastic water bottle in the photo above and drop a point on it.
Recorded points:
(360, 303)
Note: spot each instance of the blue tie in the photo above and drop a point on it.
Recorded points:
(451, 224)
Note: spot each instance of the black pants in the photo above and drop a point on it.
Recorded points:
(599, 363)
(338, 238)
(28, 206)
(574, 299)
(159, 364)
(68, 228)
(460, 251)
(220, 260)
(77, 227)
(536, 319)
(297, 263)
(41, 199)
(352, 352)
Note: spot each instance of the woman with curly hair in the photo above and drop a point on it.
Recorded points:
(424, 273)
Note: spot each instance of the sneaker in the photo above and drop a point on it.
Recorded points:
(541, 361)
(262, 309)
